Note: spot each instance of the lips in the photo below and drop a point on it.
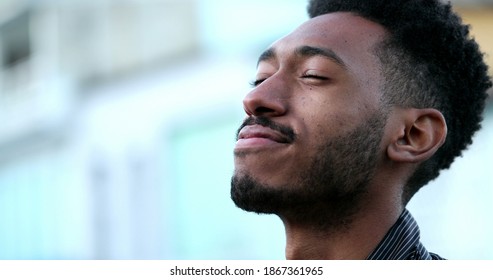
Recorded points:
(258, 131)
(257, 136)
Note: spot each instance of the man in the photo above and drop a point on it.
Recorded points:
(350, 115)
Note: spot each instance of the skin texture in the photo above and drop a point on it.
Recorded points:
(317, 90)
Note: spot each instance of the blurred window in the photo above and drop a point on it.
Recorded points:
(14, 40)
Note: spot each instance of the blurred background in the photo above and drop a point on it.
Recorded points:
(118, 120)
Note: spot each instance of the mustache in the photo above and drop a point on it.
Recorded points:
(286, 131)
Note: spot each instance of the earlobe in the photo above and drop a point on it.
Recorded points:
(421, 133)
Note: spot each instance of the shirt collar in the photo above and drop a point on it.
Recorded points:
(402, 242)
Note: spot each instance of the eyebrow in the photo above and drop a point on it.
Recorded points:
(267, 55)
(306, 51)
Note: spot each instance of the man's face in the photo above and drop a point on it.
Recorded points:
(314, 122)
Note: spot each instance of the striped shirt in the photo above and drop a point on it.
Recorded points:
(402, 242)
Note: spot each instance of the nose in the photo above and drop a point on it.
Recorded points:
(269, 99)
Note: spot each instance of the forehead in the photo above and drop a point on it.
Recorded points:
(349, 36)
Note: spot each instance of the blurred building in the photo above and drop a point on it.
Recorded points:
(118, 121)
(75, 182)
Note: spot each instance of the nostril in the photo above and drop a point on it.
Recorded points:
(263, 110)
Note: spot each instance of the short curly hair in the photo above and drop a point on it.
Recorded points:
(428, 61)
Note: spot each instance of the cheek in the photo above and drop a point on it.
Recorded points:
(322, 120)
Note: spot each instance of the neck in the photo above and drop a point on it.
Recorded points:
(353, 241)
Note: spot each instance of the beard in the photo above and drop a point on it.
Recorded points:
(329, 191)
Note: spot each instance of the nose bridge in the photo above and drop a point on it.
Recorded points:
(269, 98)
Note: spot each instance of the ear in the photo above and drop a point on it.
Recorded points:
(418, 135)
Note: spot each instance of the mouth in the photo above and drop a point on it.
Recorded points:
(258, 131)
(258, 136)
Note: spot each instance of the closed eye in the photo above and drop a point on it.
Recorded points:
(256, 83)
(316, 77)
